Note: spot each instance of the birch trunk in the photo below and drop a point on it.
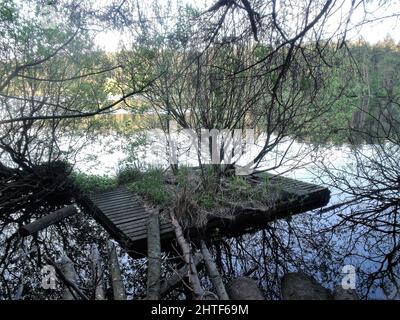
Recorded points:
(68, 270)
(213, 272)
(116, 279)
(194, 280)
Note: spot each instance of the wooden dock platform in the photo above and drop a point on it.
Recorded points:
(125, 217)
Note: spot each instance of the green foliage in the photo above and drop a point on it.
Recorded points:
(129, 174)
(355, 94)
(239, 186)
(93, 183)
(151, 186)
(206, 201)
(239, 189)
(8, 11)
(183, 176)
(262, 50)
(238, 182)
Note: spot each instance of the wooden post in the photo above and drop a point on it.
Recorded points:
(213, 272)
(68, 270)
(97, 273)
(116, 279)
(47, 221)
(194, 280)
(154, 256)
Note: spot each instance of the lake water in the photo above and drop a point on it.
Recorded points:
(324, 257)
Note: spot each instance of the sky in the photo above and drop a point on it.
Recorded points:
(375, 31)
(384, 17)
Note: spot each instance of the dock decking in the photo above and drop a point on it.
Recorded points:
(125, 217)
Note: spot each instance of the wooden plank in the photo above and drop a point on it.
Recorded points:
(133, 225)
(121, 207)
(165, 234)
(132, 217)
(139, 220)
(139, 229)
(115, 202)
(118, 193)
(120, 214)
(122, 219)
(121, 210)
(293, 186)
(140, 232)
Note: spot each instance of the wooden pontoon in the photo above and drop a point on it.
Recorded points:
(125, 217)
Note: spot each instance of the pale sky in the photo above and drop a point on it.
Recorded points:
(371, 32)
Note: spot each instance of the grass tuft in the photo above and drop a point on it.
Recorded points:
(93, 183)
(151, 186)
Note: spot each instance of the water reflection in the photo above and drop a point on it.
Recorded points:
(305, 242)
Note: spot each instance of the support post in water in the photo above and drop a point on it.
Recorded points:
(116, 278)
(97, 273)
(154, 256)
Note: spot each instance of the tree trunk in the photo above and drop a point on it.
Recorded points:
(194, 280)
(213, 272)
(68, 270)
(154, 257)
(97, 274)
(244, 288)
(47, 221)
(116, 279)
